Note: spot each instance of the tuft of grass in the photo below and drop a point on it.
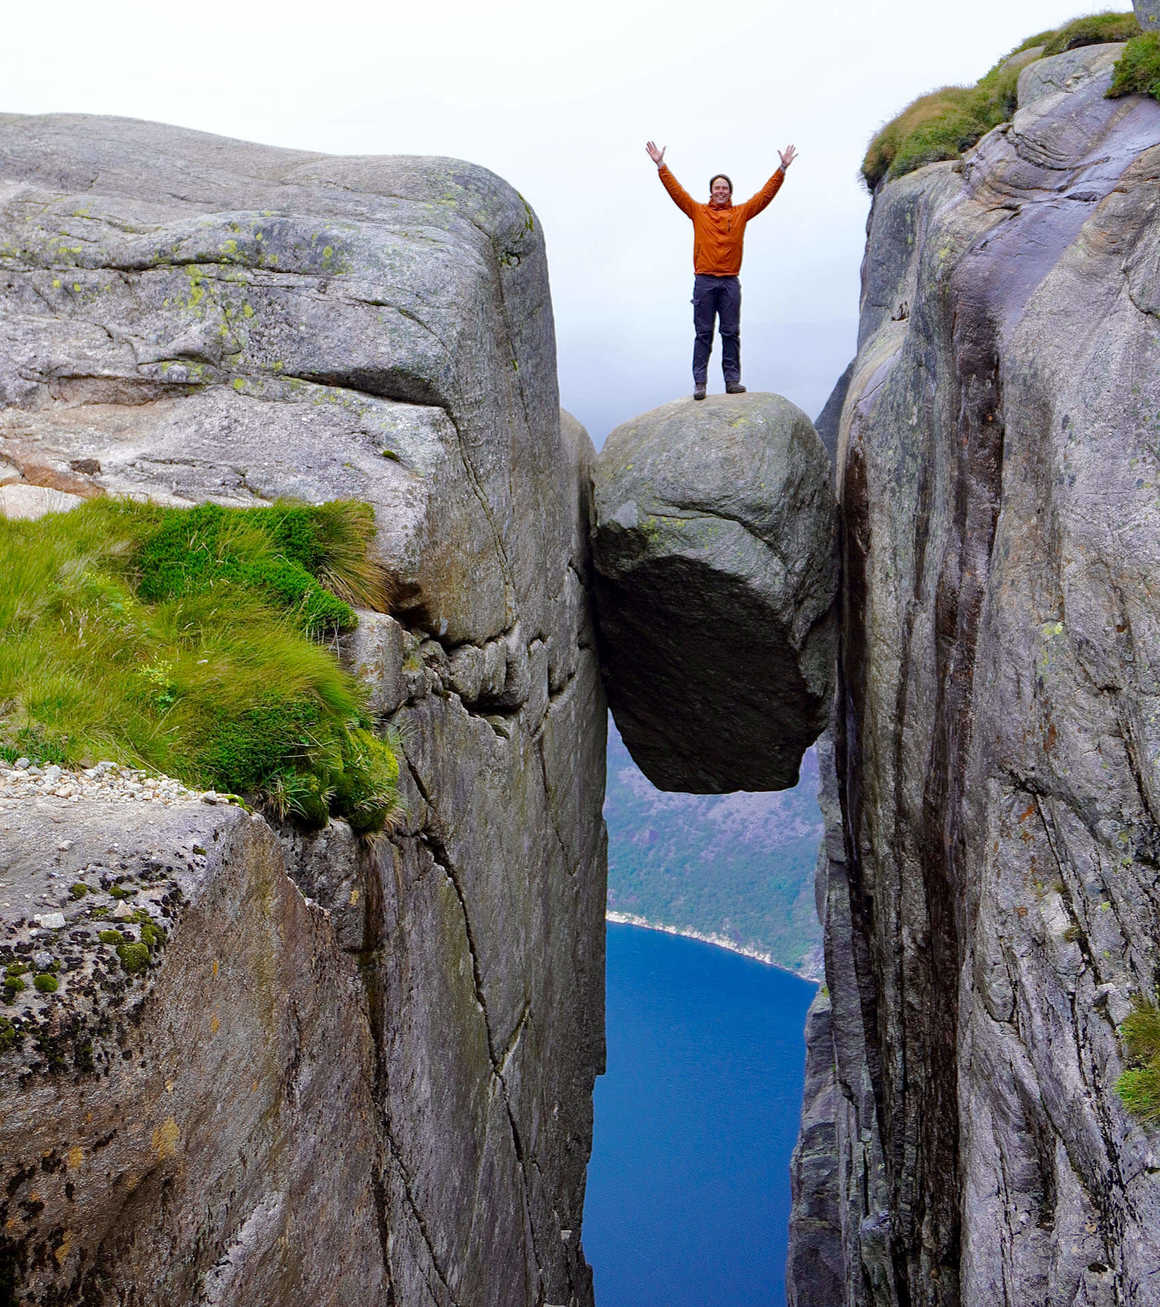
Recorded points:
(28, 742)
(1093, 29)
(292, 555)
(1139, 1086)
(1138, 69)
(46, 983)
(185, 641)
(944, 123)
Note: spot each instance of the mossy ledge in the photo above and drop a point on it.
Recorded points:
(1139, 1086)
(943, 123)
(1138, 71)
(188, 642)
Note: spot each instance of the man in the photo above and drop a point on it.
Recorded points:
(718, 234)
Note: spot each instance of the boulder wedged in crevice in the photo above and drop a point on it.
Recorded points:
(715, 576)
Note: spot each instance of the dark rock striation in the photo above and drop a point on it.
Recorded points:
(715, 581)
(990, 885)
(187, 318)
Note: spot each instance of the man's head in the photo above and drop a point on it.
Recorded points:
(720, 190)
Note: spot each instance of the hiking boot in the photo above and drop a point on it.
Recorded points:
(699, 391)
(734, 388)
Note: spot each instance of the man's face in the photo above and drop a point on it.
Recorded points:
(719, 192)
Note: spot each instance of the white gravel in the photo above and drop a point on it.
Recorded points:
(107, 780)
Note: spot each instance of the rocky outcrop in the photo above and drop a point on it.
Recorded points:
(188, 318)
(991, 904)
(217, 1102)
(715, 581)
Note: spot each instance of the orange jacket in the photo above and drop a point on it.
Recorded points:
(718, 234)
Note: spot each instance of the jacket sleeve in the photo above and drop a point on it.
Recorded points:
(754, 205)
(681, 197)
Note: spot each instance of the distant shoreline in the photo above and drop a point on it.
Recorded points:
(718, 941)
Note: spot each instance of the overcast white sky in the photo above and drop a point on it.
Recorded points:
(559, 100)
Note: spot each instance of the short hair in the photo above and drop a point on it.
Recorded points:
(724, 178)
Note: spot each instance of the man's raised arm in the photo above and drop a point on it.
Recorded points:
(754, 205)
(681, 198)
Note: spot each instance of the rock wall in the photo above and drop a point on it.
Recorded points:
(990, 885)
(188, 318)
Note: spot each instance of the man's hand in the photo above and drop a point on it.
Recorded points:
(787, 156)
(658, 156)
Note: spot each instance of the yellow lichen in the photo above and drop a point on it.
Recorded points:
(165, 1139)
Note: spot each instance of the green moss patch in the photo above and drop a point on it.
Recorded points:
(134, 957)
(186, 642)
(944, 123)
(1139, 1086)
(152, 935)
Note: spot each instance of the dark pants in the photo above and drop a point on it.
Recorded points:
(720, 298)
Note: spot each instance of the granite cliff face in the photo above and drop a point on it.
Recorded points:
(360, 1071)
(989, 884)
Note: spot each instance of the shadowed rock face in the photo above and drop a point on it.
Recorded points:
(990, 887)
(715, 579)
(187, 318)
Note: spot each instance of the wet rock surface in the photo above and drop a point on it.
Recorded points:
(188, 318)
(990, 887)
(715, 557)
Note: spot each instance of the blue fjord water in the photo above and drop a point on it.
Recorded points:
(688, 1187)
